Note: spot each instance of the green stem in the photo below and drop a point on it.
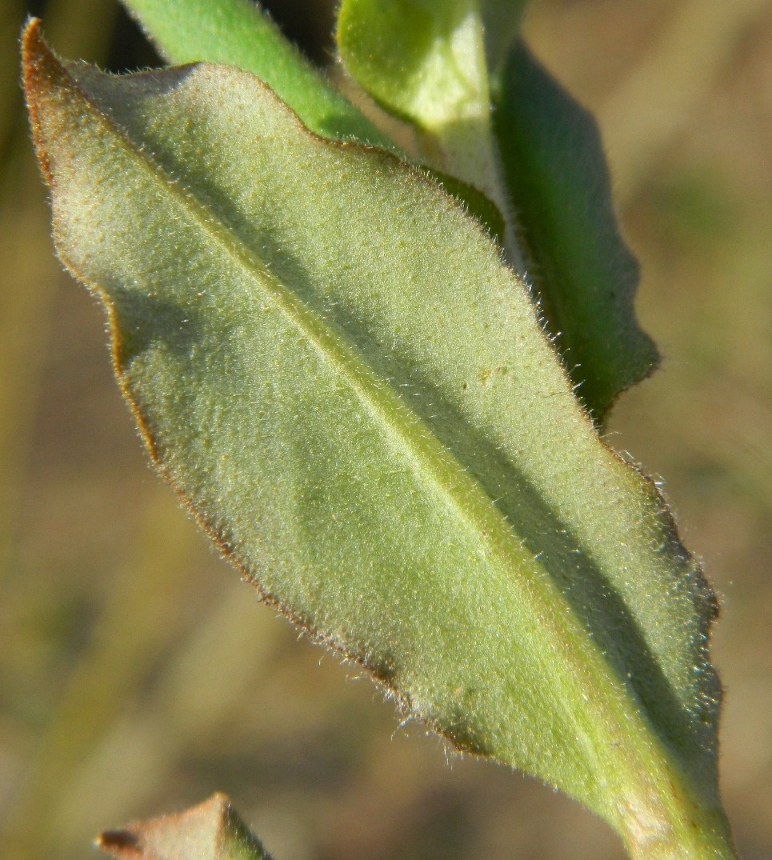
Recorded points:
(460, 141)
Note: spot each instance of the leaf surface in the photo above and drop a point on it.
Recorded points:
(581, 269)
(238, 33)
(425, 62)
(418, 58)
(544, 164)
(350, 391)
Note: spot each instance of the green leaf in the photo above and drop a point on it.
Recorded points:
(238, 33)
(501, 22)
(425, 62)
(474, 202)
(210, 831)
(351, 393)
(582, 271)
(420, 59)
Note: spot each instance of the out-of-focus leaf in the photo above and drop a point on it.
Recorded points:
(354, 397)
(501, 21)
(210, 831)
(581, 269)
(420, 59)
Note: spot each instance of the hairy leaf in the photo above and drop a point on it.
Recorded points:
(425, 62)
(354, 397)
(238, 33)
(581, 269)
(210, 831)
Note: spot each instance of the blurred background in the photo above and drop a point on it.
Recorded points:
(138, 675)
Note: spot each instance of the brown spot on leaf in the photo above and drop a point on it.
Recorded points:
(488, 375)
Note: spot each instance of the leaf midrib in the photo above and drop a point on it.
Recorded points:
(415, 437)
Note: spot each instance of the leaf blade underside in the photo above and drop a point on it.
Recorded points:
(534, 151)
(240, 34)
(318, 345)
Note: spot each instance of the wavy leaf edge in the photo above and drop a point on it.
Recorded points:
(381, 673)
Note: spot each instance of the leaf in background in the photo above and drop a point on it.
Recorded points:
(501, 22)
(582, 271)
(418, 58)
(210, 831)
(353, 395)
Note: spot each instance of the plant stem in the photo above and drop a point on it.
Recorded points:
(459, 139)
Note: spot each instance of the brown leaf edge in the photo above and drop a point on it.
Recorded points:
(40, 69)
(210, 831)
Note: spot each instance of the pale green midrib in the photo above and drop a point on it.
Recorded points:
(464, 493)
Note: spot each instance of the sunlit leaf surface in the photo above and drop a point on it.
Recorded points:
(425, 61)
(238, 33)
(353, 395)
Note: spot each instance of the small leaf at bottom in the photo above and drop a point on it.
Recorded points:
(210, 831)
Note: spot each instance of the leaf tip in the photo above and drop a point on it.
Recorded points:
(35, 55)
(39, 70)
